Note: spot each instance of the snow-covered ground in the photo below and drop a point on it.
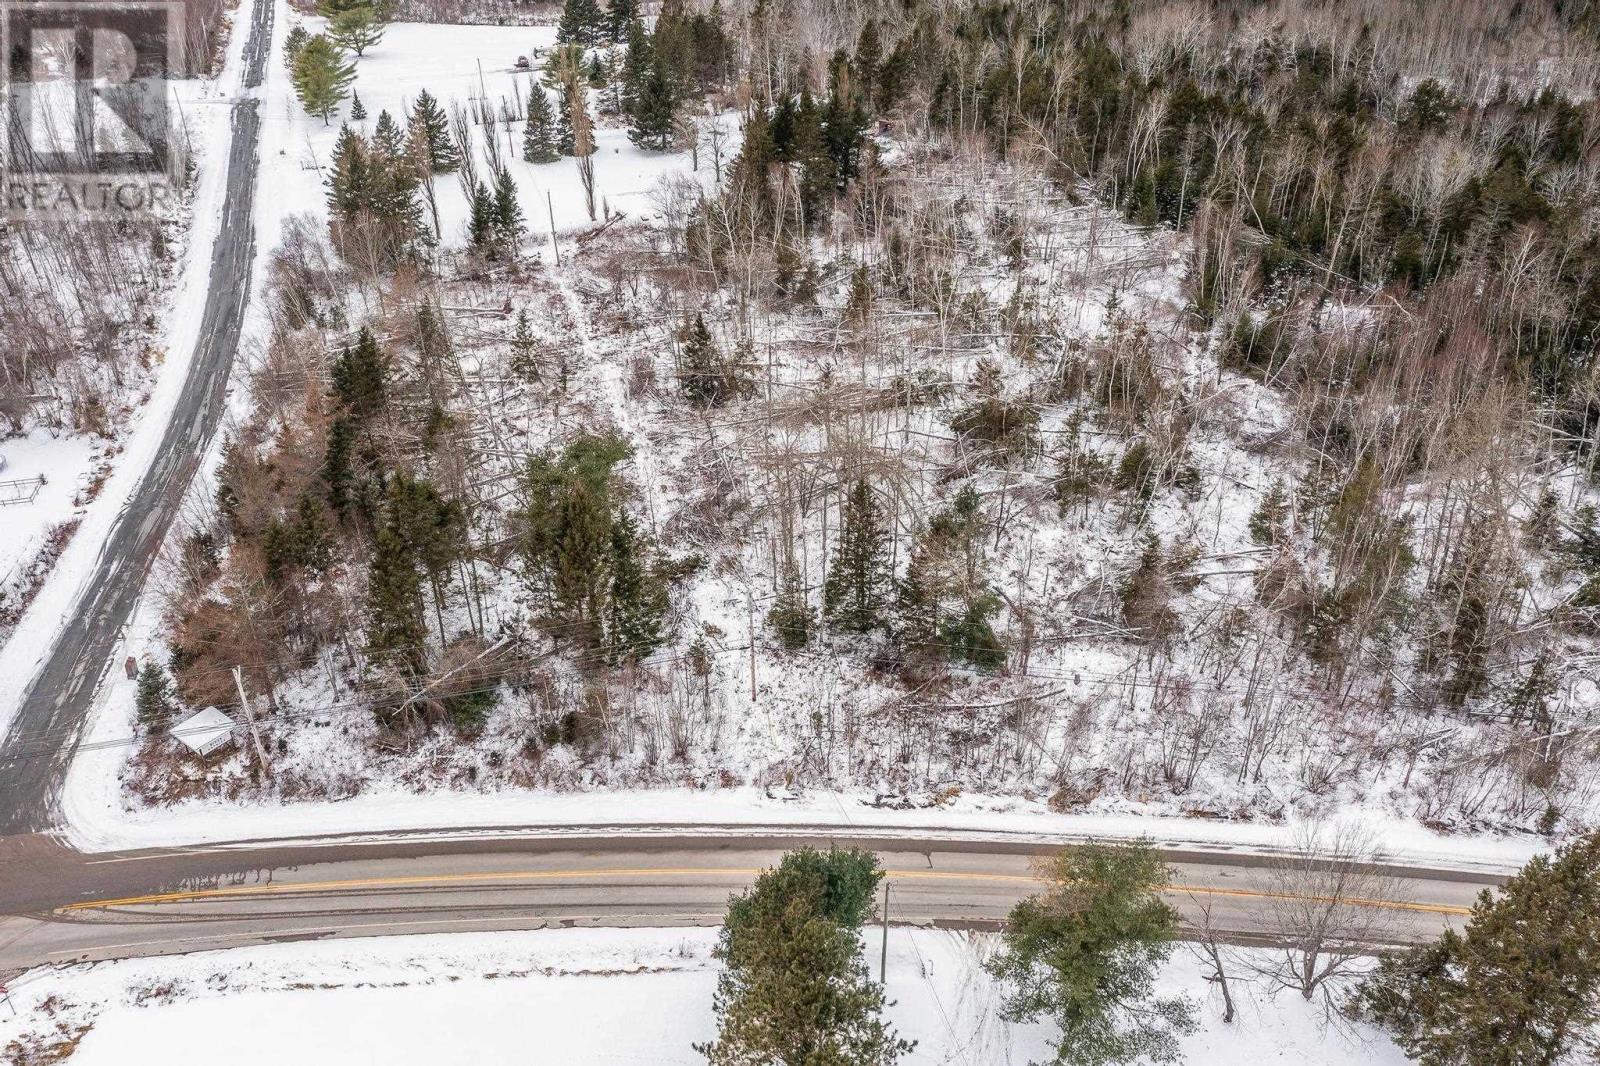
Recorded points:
(1097, 742)
(572, 997)
(464, 66)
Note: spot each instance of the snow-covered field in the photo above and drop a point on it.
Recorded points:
(571, 997)
(462, 66)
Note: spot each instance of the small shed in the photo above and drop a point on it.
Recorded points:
(207, 732)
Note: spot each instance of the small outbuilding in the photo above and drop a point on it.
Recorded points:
(208, 733)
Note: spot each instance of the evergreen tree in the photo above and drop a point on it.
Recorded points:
(571, 101)
(358, 110)
(428, 116)
(482, 221)
(524, 350)
(359, 378)
(321, 77)
(539, 135)
(581, 23)
(794, 988)
(706, 378)
(790, 616)
(395, 631)
(293, 44)
(1519, 987)
(153, 701)
(356, 29)
(638, 594)
(387, 137)
(621, 17)
(338, 467)
(509, 225)
(858, 581)
(1085, 953)
(350, 180)
(637, 62)
(654, 109)
(869, 57)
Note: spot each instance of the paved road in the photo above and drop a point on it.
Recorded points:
(64, 906)
(52, 713)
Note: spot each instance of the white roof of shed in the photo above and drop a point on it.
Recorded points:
(203, 730)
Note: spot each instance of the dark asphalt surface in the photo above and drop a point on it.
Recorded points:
(63, 906)
(51, 716)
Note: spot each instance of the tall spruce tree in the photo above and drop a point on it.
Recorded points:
(857, 588)
(653, 109)
(621, 17)
(1519, 987)
(153, 700)
(581, 23)
(509, 224)
(360, 376)
(427, 115)
(638, 608)
(539, 135)
(395, 631)
(358, 110)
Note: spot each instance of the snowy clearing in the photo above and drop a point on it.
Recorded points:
(571, 997)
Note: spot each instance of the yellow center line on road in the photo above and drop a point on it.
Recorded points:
(289, 888)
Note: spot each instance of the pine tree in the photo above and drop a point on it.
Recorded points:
(794, 988)
(350, 180)
(539, 135)
(153, 700)
(621, 17)
(524, 350)
(386, 136)
(482, 220)
(321, 77)
(566, 137)
(581, 23)
(702, 374)
(356, 29)
(654, 109)
(359, 378)
(791, 616)
(509, 225)
(858, 580)
(638, 606)
(1085, 953)
(358, 111)
(293, 45)
(395, 631)
(1519, 987)
(869, 57)
(428, 116)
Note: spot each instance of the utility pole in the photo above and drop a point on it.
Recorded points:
(550, 206)
(750, 604)
(883, 959)
(255, 734)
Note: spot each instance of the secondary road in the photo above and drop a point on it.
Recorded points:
(64, 906)
(56, 703)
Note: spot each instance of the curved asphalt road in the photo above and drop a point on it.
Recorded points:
(63, 906)
(57, 905)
